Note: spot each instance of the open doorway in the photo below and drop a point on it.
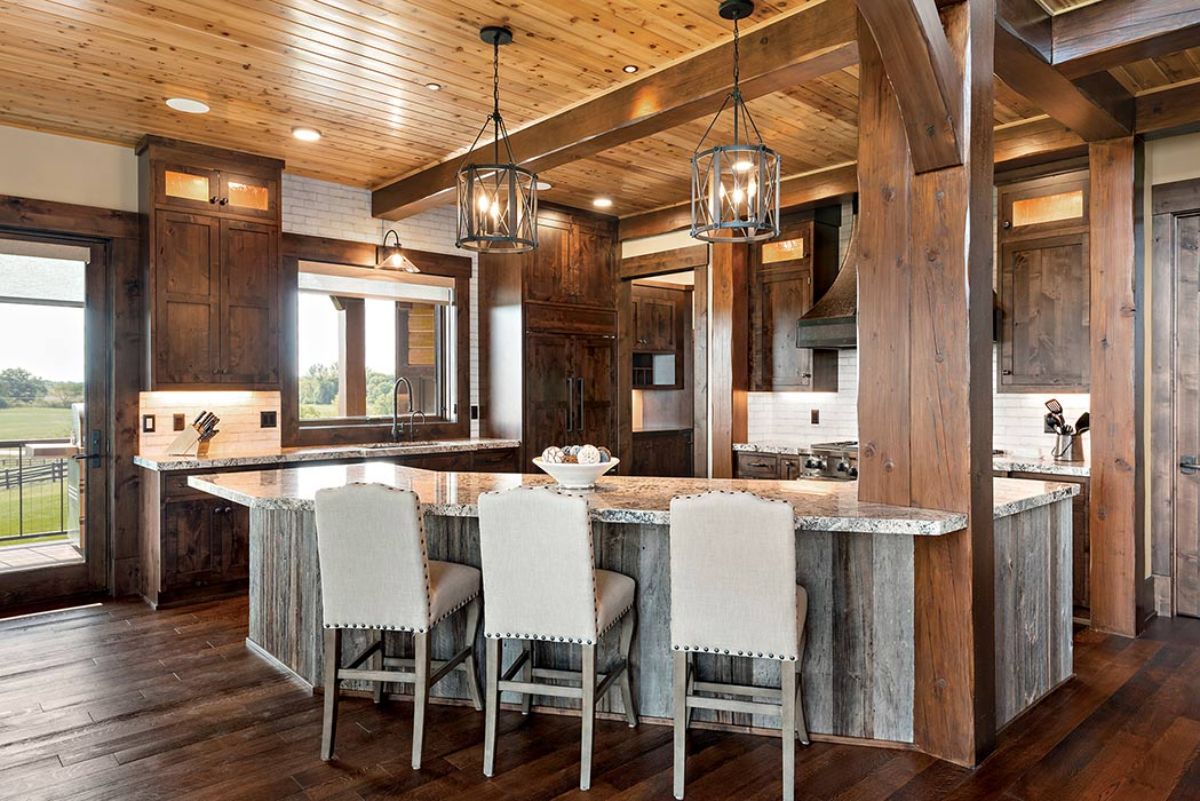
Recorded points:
(663, 359)
(52, 398)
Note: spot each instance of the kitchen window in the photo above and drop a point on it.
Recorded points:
(359, 330)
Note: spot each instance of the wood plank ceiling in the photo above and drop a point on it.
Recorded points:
(356, 70)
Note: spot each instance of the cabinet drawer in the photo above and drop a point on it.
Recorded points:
(498, 461)
(757, 465)
(789, 467)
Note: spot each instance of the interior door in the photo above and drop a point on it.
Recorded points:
(1186, 246)
(54, 419)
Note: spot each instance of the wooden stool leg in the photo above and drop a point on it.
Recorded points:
(527, 676)
(333, 648)
(492, 704)
(801, 727)
(589, 716)
(420, 695)
(681, 715)
(628, 626)
(377, 664)
(788, 732)
(472, 662)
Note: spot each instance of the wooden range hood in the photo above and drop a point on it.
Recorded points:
(832, 322)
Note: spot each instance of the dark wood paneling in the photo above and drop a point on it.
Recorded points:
(1118, 550)
(662, 453)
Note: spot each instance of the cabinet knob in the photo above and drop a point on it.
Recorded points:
(224, 201)
(1007, 224)
(1006, 372)
(212, 199)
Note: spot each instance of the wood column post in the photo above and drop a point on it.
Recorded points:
(1121, 593)
(925, 386)
(730, 378)
(352, 357)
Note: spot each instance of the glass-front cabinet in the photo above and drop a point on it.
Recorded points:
(248, 194)
(198, 188)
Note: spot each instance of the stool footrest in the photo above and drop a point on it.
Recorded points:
(772, 693)
(733, 705)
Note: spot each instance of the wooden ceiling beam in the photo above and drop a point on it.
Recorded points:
(922, 70)
(814, 41)
(1036, 141)
(1173, 111)
(1097, 107)
(1105, 35)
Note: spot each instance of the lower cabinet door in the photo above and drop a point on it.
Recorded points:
(192, 552)
(233, 521)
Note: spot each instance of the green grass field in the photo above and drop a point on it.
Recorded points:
(31, 422)
(44, 509)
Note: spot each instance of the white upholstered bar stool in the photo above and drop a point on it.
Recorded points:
(541, 583)
(734, 593)
(376, 574)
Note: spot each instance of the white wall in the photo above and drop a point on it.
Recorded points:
(66, 170)
(323, 208)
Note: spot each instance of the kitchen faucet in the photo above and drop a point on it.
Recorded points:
(397, 429)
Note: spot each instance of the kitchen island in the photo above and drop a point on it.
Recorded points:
(855, 560)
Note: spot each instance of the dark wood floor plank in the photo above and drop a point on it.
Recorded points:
(123, 703)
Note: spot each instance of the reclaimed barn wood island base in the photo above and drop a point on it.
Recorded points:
(855, 560)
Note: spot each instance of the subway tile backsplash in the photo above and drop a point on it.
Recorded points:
(240, 420)
(784, 417)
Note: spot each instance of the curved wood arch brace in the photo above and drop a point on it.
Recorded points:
(924, 75)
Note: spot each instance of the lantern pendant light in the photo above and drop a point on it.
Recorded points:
(497, 202)
(735, 187)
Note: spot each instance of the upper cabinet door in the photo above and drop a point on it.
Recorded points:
(186, 187)
(1044, 206)
(595, 391)
(782, 296)
(594, 265)
(1045, 343)
(548, 269)
(249, 195)
(249, 300)
(186, 295)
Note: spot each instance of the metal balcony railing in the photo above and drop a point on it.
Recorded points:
(35, 492)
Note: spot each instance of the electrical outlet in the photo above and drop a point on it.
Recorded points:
(1046, 427)
(179, 421)
(147, 424)
(814, 416)
(474, 412)
(268, 419)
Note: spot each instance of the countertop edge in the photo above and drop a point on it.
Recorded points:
(180, 464)
(1009, 462)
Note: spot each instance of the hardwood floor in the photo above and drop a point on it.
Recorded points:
(115, 702)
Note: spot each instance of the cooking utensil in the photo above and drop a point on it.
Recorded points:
(1054, 406)
(1056, 412)
(1084, 423)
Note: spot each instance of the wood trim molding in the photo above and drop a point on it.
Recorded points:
(67, 219)
(299, 247)
(797, 47)
(924, 76)
(663, 262)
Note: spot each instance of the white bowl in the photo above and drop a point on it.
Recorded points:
(576, 476)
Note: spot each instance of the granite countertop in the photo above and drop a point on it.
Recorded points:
(1008, 462)
(166, 463)
(819, 505)
(660, 429)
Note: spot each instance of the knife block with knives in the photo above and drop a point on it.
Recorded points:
(194, 439)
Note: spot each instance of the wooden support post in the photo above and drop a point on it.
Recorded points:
(730, 378)
(1121, 598)
(352, 357)
(925, 278)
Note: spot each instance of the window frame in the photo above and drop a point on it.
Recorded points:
(295, 432)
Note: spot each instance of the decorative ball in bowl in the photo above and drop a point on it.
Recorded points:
(576, 466)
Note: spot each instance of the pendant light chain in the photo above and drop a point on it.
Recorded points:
(737, 77)
(497, 202)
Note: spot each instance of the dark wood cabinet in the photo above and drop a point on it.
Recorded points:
(788, 274)
(559, 385)
(1043, 285)
(212, 266)
(662, 453)
(755, 465)
(661, 315)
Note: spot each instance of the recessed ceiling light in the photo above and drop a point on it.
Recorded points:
(433, 86)
(187, 105)
(630, 68)
(542, 186)
(602, 202)
(306, 134)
